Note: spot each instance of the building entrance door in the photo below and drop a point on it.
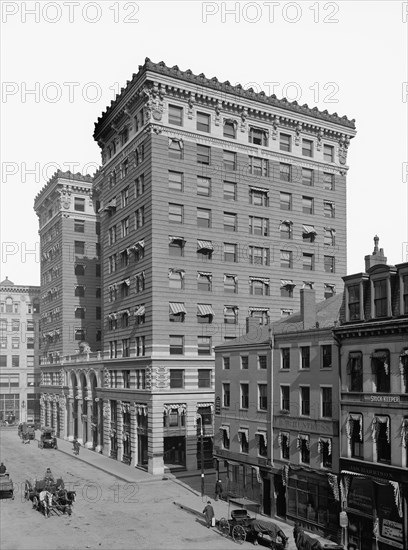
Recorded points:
(266, 496)
(280, 492)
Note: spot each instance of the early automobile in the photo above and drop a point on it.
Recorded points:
(47, 439)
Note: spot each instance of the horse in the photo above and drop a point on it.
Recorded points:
(45, 502)
(304, 541)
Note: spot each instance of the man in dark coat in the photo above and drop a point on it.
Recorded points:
(208, 514)
(218, 489)
(3, 469)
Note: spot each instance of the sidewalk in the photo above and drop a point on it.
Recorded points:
(187, 498)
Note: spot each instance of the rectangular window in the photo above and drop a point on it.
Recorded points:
(176, 279)
(307, 177)
(229, 160)
(326, 356)
(355, 371)
(356, 436)
(139, 186)
(79, 313)
(230, 221)
(204, 378)
(230, 315)
(79, 247)
(226, 395)
(176, 345)
(381, 430)
(328, 181)
(262, 397)
(175, 149)
(203, 186)
(3, 342)
(258, 197)
(258, 136)
(230, 191)
(285, 398)
(258, 255)
(285, 451)
(79, 204)
(329, 264)
(203, 122)
(175, 115)
(175, 181)
(258, 226)
(244, 362)
(204, 282)
(15, 325)
(176, 247)
(328, 153)
(15, 360)
(304, 357)
(79, 226)
(307, 205)
(380, 298)
(285, 142)
(176, 378)
(305, 400)
(229, 129)
(285, 358)
(30, 342)
(329, 237)
(307, 148)
(304, 447)
(259, 287)
(175, 213)
(286, 259)
(204, 345)
(327, 404)
(3, 360)
(285, 201)
(125, 227)
(79, 334)
(380, 365)
(30, 360)
(124, 197)
(353, 292)
(262, 362)
(258, 166)
(328, 209)
(308, 262)
(203, 217)
(203, 154)
(230, 284)
(226, 363)
(244, 396)
(285, 230)
(30, 325)
(285, 172)
(15, 343)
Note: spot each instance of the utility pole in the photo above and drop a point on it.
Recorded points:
(200, 418)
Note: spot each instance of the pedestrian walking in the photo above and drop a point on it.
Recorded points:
(76, 446)
(209, 514)
(218, 489)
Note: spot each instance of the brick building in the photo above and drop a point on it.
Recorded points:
(19, 358)
(70, 300)
(373, 339)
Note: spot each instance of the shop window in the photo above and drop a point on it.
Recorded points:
(380, 364)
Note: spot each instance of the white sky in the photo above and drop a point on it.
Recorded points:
(360, 62)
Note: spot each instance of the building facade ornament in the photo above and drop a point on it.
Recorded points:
(106, 410)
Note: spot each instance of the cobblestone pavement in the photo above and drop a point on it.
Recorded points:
(117, 507)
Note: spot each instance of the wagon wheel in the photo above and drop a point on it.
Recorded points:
(238, 534)
(224, 527)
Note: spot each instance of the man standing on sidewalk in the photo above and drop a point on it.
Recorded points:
(208, 514)
(218, 489)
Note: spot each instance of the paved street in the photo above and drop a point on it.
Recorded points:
(117, 506)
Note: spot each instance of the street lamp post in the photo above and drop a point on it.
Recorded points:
(200, 418)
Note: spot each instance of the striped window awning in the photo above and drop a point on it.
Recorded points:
(330, 229)
(204, 274)
(286, 222)
(287, 283)
(205, 245)
(259, 190)
(308, 284)
(139, 311)
(125, 282)
(309, 230)
(264, 280)
(261, 309)
(179, 272)
(176, 308)
(204, 309)
(227, 276)
(231, 309)
(330, 285)
(176, 239)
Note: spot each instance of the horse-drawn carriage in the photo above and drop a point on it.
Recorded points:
(243, 527)
(49, 496)
(26, 432)
(6, 486)
(47, 439)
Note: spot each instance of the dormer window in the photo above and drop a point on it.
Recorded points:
(353, 302)
(380, 298)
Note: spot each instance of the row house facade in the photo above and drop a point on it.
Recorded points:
(373, 341)
(215, 204)
(19, 355)
(277, 417)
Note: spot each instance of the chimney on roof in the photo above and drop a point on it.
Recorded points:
(377, 257)
(308, 307)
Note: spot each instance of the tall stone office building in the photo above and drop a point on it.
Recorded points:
(216, 204)
(19, 353)
(70, 299)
